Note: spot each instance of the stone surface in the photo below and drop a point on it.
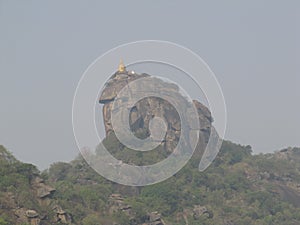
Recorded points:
(116, 204)
(155, 219)
(31, 214)
(61, 215)
(27, 216)
(199, 210)
(41, 188)
(150, 107)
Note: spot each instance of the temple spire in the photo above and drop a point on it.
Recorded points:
(122, 67)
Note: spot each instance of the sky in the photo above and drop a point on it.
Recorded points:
(45, 46)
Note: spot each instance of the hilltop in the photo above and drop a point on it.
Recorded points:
(238, 188)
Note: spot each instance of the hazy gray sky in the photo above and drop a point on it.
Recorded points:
(45, 46)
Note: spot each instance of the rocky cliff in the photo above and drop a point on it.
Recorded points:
(150, 107)
(25, 197)
(237, 188)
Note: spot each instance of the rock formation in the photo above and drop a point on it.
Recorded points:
(42, 193)
(155, 219)
(116, 204)
(150, 107)
(61, 215)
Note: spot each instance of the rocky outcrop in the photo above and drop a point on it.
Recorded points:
(117, 204)
(42, 190)
(33, 217)
(194, 213)
(155, 219)
(150, 107)
(42, 195)
(27, 216)
(31, 214)
(61, 215)
(199, 211)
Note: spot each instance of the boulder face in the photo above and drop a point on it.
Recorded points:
(42, 196)
(117, 204)
(155, 219)
(29, 216)
(43, 190)
(147, 108)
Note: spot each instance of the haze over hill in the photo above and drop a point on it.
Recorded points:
(252, 47)
(238, 188)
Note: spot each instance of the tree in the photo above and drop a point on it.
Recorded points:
(3, 222)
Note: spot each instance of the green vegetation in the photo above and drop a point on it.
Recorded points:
(238, 188)
(15, 181)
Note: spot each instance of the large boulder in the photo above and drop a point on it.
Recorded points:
(199, 210)
(150, 107)
(117, 204)
(155, 219)
(25, 216)
(61, 215)
(43, 190)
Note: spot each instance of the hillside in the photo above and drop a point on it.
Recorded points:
(238, 188)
